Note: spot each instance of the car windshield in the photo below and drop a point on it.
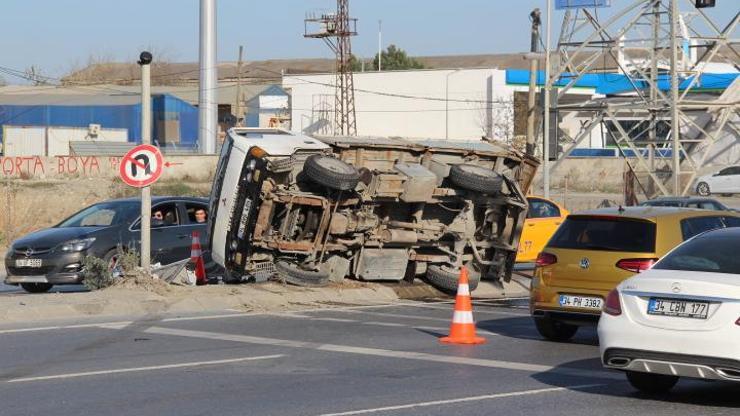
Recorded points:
(104, 215)
(706, 253)
(605, 234)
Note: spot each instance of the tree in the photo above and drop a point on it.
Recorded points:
(395, 58)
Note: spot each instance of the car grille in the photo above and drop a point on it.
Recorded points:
(21, 251)
(29, 271)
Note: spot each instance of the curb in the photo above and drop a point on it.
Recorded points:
(117, 302)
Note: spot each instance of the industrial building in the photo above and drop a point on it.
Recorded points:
(84, 117)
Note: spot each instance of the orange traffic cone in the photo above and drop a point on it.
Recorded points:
(196, 257)
(462, 330)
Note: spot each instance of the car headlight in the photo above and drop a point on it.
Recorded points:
(76, 245)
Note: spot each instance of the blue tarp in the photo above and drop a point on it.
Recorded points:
(609, 84)
(164, 107)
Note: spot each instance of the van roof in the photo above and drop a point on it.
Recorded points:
(276, 142)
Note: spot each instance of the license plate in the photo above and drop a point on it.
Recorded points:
(575, 301)
(28, 263)
(680, 308)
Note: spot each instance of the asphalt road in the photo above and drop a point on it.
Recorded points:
(383, 360)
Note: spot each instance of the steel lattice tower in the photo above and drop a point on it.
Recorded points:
(336, 29)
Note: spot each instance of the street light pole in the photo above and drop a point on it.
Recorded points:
(546, 132)
(447, 102)
(145, 60)
(380, 45)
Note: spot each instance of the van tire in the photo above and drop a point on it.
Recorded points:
(331, 172)
(476, 178)
(291, 273)
(446, 279)
(554, 330)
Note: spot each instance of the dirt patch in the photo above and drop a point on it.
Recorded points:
(139, 280)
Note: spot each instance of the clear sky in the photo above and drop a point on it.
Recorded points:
(57, 35)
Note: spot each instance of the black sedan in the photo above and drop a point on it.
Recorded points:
(54, 256)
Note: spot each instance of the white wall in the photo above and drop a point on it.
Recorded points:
(412, 103)
(24, 141)
(52, 141)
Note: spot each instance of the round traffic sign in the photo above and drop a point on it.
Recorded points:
(141, 166)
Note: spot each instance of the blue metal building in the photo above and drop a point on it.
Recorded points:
(174, 122)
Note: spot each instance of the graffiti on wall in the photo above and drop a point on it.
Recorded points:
(36, 166)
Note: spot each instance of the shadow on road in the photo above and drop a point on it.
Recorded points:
(686, 392)
(523, 328)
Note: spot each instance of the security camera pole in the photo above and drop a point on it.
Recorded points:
(145, 59)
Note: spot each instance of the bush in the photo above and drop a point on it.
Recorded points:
(96, 274)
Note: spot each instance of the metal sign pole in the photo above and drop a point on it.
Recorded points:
(145, 60)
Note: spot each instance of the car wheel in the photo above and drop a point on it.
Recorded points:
(554, 330)
(331, 172)
(476, 178)
(293, 274)
(651, 383)
(446, 278)
(36, 287)
(703, 189)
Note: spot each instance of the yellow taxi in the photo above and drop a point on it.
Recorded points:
(543, 218)
(593, 251)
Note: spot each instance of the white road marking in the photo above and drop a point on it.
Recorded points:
(463, 400)
(475, 311)
(350, 309)
(58, 327)
(150, 368)
(378, 352)
(116, 324)
(398, 315)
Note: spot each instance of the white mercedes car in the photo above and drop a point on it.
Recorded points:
(679, 319)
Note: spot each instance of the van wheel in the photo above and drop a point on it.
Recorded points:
(554, 330)
(446, 278)
(703, 189)
(476, 178)
(651, 383)
(331, 172)
(36, 287)
(295, 275)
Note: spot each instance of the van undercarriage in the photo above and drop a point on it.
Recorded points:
(377, 209)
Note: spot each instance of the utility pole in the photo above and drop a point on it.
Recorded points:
(238, 107)
(380, 45)
(531, 99)
(675, 133)
(336, 30)
(207, 100)
(652, 133)
(145, 60)
(546, 115)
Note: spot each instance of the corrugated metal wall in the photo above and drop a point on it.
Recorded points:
(165, 108)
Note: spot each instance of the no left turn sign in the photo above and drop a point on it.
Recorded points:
(141, 166)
